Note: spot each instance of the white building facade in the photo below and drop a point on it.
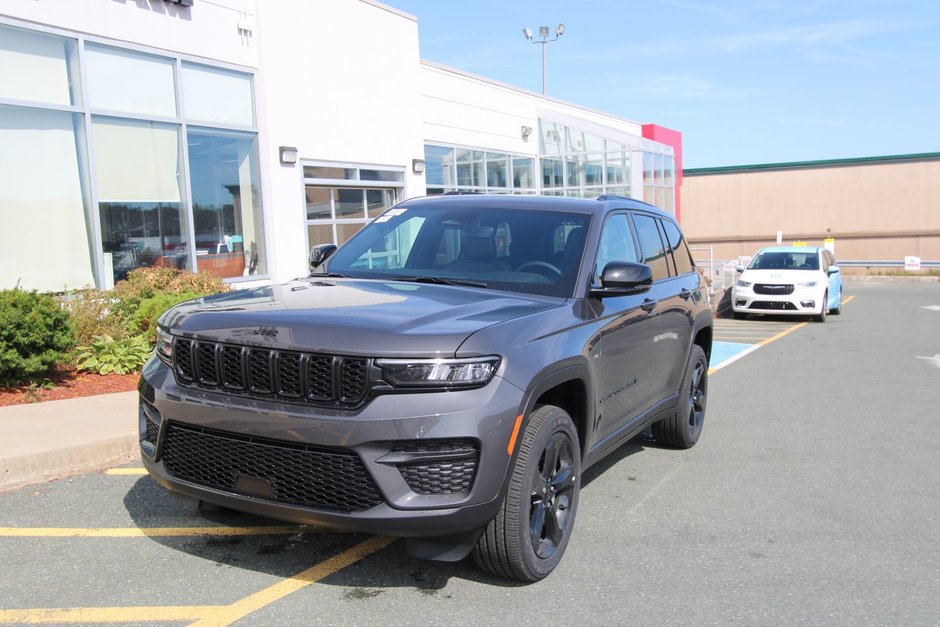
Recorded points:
(232, 135)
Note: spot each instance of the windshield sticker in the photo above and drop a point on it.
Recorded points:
(391, 213)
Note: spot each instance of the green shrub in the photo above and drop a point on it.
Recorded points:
(144, 319)
(35, 335)
(106, 354)
(93, 315)
(144, 283)
(147, 292)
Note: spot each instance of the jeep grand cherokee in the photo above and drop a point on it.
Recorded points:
(445, 377)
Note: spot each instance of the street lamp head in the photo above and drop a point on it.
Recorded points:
(543, 31)
(560, 30)
(527, 32)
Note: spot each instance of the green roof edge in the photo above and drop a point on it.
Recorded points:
(827, 163)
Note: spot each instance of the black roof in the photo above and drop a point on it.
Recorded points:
(598, 205)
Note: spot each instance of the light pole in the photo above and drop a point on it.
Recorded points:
(544, 34)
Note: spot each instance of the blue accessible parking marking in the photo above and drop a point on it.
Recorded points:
(723, 353)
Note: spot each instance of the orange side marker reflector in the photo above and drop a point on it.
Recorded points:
(515, 433)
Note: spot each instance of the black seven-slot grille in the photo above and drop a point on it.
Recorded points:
(295, 474)
(269, 373)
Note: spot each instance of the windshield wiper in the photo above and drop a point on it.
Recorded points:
(436, 280)
(329, 275)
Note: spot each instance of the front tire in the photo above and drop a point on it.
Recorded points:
(529, 535)
(821, 316)
(684, 428)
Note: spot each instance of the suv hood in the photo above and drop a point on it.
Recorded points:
(350, 316)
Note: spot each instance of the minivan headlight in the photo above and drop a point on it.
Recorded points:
(441, 373)
(164, 347)
(807, 284)
(741, 283)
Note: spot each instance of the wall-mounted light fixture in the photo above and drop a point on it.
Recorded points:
(526, 131)
(288, 155)
(417, 166)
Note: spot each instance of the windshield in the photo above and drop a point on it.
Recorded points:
(785, 261)
(536, 252)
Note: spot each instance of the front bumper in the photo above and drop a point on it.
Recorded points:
(802, 301)
(399, 466)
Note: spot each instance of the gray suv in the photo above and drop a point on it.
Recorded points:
(445, 376)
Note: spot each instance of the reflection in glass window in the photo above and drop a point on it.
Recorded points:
(229, 233)
(38, 67)
(139, 201)
(470, 172)
(651, 245)
(129, 82)
(217, 96)
(439, 164)
(348, 203)
(497, 170)
(43, 187)
(523, 173)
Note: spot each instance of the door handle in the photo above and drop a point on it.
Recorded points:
(648, 305)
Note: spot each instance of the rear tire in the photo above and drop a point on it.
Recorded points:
(529, 535)
(684, 428)
(838, 308)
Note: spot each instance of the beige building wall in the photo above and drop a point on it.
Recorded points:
(881, 209)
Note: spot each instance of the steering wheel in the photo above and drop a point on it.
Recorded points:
(544, 265)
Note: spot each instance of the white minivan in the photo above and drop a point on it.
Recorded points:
(789, 280)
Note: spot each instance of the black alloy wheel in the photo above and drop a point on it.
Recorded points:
(551, 495)
(684, 428)
(529, 534)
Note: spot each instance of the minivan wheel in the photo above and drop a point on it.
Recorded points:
(684, 429)
(838, 308)
(821, 316)
(529, 535)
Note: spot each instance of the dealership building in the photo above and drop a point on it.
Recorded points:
(232, 135)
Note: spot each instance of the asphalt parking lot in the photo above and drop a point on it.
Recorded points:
(812, 498)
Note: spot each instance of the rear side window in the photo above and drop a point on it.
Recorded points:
(652, 249)
(680, 250)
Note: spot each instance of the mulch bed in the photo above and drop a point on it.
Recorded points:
(69, 384)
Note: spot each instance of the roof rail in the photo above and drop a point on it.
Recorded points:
(613, 197)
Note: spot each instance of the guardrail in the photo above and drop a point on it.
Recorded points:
(883, 263)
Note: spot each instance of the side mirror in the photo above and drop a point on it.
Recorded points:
(739, 269)
(622, 278)
(319, 254)
(832, 270)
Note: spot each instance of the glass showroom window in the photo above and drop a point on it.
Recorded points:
(228, 228)
(129, 82)
(139, 201)
(44, 201)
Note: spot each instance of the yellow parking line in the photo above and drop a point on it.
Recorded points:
(240, 609)
(201, 614)
(140, 532)
(85, 615)
(126, 471)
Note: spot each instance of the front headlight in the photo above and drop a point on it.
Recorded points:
(164, 347)
(442, 373)
(807, 284)
(741, 283)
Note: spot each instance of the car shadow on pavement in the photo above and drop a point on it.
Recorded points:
(287, 554)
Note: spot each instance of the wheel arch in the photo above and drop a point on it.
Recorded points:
(566, 386)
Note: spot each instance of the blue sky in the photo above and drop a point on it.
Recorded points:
(758, 81)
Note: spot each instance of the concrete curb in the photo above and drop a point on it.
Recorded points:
(22, 470)
(57, 439)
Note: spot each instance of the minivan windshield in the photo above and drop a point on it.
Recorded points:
(519, 250)
(785, 261)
